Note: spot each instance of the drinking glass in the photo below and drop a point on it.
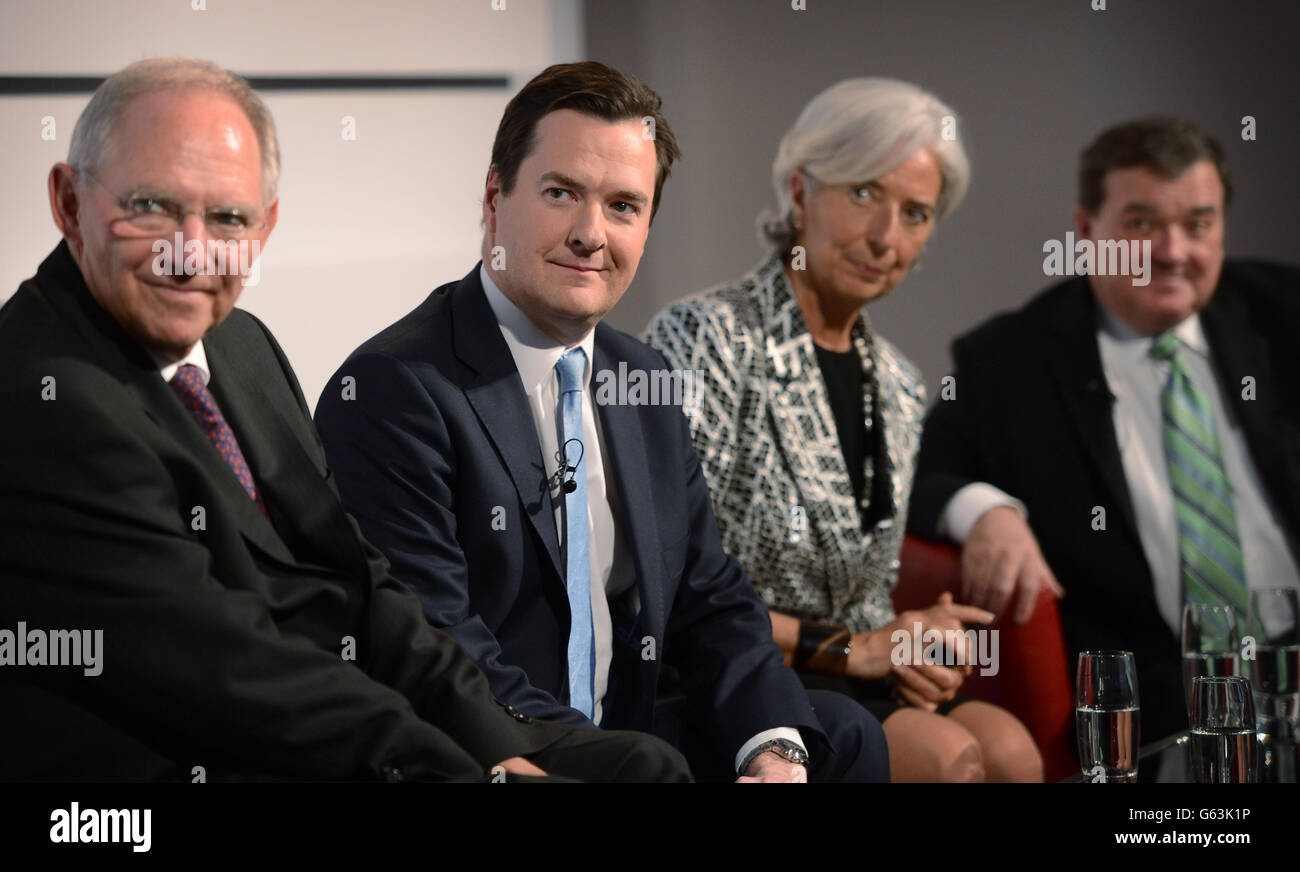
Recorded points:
(1107, 715)
(1273, 626)
(1223, 742)
(1211, 645)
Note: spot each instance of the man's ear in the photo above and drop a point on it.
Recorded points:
(272, 216)
(65, 203)
(491, 192)
(1083, 222)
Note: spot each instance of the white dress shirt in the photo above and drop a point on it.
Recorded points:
(612, 572)
(1137, 381)
(196, 356)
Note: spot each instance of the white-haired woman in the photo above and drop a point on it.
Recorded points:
(810, 422)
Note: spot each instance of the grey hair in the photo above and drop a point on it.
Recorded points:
(858, 130)
(91, 136)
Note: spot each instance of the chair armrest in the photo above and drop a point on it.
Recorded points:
(1032, 680)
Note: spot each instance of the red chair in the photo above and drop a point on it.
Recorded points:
(1033, 679)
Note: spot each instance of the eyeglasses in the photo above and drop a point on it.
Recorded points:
(152, 213)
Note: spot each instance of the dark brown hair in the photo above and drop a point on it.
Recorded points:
(588, 87)
(1166, 146)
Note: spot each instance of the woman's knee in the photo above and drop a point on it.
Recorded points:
(1013, 756)
(929, 747)
(1009, 751)
(962, 758)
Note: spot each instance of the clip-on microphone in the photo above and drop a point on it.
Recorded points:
(570, 484)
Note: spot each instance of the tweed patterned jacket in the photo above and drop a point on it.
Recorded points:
(766, 438)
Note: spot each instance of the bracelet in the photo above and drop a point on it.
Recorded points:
(823, 648)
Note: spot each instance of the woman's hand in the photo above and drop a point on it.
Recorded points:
(923, 685)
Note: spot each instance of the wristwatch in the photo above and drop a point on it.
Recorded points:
(787, 749)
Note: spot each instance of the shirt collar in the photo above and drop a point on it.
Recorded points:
(197, 356)
(534, 352)
(1132, 346)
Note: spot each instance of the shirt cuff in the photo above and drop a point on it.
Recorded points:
(790, 734)
(969, 504)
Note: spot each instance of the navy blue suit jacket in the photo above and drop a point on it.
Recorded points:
(430, 437)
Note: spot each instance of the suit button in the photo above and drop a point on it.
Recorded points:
(517, 714)
(392, 774)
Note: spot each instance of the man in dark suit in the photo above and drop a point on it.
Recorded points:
(1149, 425)
(164, 498)
(558, 529)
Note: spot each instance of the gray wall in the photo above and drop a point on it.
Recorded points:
(1031, 80)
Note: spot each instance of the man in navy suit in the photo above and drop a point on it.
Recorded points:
(564, 539)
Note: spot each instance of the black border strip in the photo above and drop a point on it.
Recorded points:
(32, 85)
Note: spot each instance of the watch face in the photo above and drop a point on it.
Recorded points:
(784, 748)
(791, 752)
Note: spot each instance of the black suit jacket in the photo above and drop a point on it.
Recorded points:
(439, 440)
(223, 646)
(1032, 415)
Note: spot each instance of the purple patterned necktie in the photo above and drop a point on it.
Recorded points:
(189, 386)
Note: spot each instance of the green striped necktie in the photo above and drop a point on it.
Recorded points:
(1208, 545)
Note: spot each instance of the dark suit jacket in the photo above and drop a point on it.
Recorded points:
(439, 436)
(1032, 415)
(222, 646)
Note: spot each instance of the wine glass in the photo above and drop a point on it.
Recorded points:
(1211, 645)
(1106, 714)
(1223, 743)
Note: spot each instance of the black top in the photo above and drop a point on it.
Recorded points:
(842, 371)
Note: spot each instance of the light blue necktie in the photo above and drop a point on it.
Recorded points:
(577, 570)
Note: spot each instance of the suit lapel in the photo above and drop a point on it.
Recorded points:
(625, 442)
(1224, 322)
(1240, 355)
(164, 408)
(1076, 365)
(804, 425)
(498, 399)
(293, 485)
(899, 408)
